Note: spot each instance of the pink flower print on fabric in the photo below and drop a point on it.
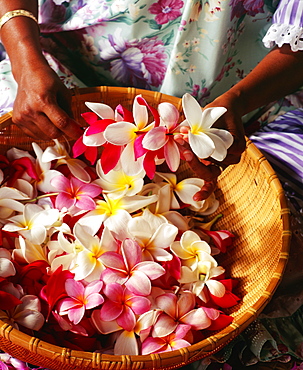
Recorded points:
(139, 63)
(166, 10)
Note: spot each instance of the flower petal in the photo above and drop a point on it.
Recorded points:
(120, 133)
(201, 144)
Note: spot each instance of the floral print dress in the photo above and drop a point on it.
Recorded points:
(202, 47)
(173, 46)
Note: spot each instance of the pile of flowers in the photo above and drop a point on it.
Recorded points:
(105, 252)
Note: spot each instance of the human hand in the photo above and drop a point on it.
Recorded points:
(209, 169)
(42, 105)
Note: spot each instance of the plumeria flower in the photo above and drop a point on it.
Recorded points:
(81, 298)
(129, 269)
(12, 363)
(26, 251)
(26, 314)
(123, 305)
(7, 268)
(160, 211)
(204, 140)
(75, 193)
(10, 202)
(33, 223)
(185, 190)
(115, 213)
(153, 239)
(117, 183)
(44, 171)
(131, 134)
(162, 136)
(63, 251)
(60, 155)
(171, 342)
(93, 136)
(204, 276)
(191, 249)
(181, 310)
(88, 262)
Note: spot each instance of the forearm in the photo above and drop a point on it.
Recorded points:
(20, 37)
(278, 74)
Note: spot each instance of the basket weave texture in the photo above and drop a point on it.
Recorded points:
(254, 208)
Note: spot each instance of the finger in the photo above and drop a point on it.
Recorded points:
(203, 169)
(207, 189)
(63, 122)
(32, 130)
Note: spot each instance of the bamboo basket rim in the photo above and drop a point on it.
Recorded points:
(182, 356)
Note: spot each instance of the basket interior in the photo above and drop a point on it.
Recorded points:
(254, 209)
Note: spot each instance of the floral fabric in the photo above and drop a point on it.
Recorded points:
(173, 46)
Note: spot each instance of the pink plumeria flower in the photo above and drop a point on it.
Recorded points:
(163, 135)
(81, 298)
(204, 140)
(60, 155)
(129, 269)
(6, 266)
(123, 305)
(130, 134)
(10, 363)
(181, 310)
(94, 134)
(171, 342)
(75, 193)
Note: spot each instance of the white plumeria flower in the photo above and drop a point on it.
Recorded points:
(6, 266)
(28, 251)
(44, 172)
(117, 183)
(88, 266)
(202, 277)
(161, 210)
(115, 213)
(63, 252)
(34, 223)
(191, 249)
(204, 140)
(122, 133)
(60, 154)
(185, 190)
(9, 202)
(154, 239)
(26, 314)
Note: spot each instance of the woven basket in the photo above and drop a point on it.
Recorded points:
(254, 209)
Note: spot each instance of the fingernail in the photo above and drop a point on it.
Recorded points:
(179, 139)
(188, 155)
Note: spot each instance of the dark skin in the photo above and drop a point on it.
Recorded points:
(42, 106)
